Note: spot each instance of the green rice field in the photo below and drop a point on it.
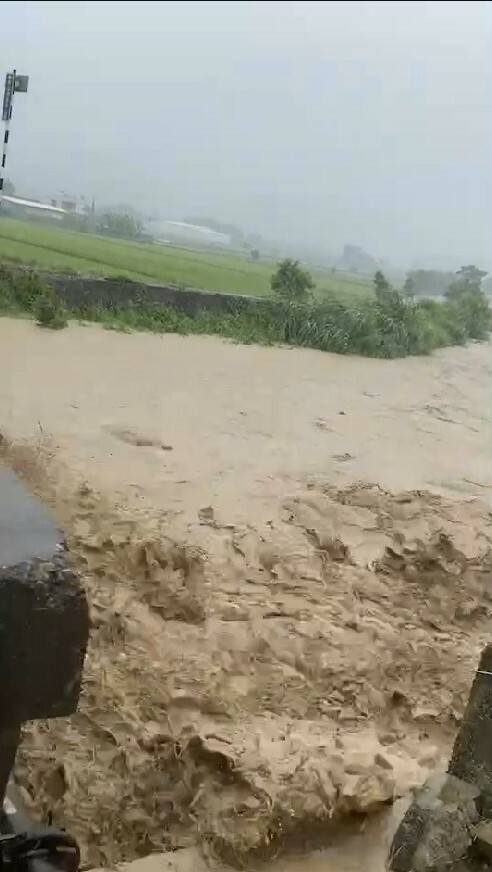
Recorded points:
(57, 249)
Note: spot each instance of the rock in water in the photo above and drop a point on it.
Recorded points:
(43, 612)
(471, 759)
(437, 830)
(483, 840)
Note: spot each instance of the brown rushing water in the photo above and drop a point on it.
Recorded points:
(245, 423)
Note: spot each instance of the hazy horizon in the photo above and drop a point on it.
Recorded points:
(320, 124)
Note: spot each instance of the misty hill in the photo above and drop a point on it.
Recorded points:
(355, 259)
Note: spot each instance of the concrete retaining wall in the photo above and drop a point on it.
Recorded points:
(112, 293)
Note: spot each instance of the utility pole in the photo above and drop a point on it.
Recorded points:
(13, 84)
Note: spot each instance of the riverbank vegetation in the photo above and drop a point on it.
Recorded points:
(384, 324)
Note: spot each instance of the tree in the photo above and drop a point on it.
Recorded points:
(255, 240)
(430, 282)
(409, 286)
(291, 281)
(115, 224)
(466, 296)
(381, 285)
(80, 223)
(254, 254)
(468, 280)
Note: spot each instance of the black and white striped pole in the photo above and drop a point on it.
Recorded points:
(13, 84)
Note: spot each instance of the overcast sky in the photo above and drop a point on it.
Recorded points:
(360, 122)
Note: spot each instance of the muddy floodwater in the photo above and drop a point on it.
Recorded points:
(286, 554)
(184, 422)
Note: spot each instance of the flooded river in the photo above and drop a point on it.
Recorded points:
(282, 549)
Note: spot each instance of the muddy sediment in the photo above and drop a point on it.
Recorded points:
(246, 700)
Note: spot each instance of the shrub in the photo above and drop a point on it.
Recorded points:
(27, 290)
(473, 311)
(381, 285)
(440, 324)
(467, 279)
(116, 224)
(6, 299)
(469, 303)
(290, 281)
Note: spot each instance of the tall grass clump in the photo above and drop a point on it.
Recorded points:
(49, 311)
(388, 328)
(385, 325)
(8, 300)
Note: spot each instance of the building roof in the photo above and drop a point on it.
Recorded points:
(198, 231)
(33, 204)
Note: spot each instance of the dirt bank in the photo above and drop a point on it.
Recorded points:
(277, 641)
